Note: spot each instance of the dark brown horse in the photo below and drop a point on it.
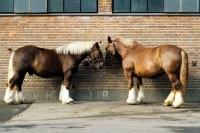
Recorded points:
(63, 61)
(144, 62)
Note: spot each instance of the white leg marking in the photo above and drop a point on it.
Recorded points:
(61, 92)
(66, 98)
(131, 97)
(17, 97)
(22, 99)
(170, 98)
(10, 68)
(8, 96)
(141, 97)
(178, 99)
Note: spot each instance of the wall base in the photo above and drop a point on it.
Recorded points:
(103, 95)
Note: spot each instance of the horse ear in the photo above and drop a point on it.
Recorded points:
(109, 39)
(100, 42)
(96, 45)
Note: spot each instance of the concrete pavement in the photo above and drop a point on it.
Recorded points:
(101, 117)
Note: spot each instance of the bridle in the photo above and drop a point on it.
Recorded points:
(109, 57)
(113, 48)
(95, 59)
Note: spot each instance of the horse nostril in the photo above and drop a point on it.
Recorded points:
(100, 65)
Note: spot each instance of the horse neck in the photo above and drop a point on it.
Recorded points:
(121, 49)
(80, 57)
(124, 50)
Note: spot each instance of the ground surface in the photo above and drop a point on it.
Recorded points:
(99, 117)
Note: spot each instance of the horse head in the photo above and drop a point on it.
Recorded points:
(111, 52)
(97, 56)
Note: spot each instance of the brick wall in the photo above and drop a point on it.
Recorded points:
(53, 31)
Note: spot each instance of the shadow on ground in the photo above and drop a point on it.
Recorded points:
(7, 112)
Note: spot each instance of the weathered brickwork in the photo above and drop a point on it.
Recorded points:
(52, 31)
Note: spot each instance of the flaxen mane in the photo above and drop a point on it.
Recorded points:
(75, 48)
(126, 41)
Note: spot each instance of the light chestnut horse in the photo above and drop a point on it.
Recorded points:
(60, 62)
(144, 62)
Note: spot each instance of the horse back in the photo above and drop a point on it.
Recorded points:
(39, 61)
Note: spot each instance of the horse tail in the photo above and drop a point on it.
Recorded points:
(9, 93)
(184, 73)
(10, 68)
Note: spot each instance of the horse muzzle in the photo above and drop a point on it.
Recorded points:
(100, 64)
(107, 61)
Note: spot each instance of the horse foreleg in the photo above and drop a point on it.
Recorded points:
(61, 92)
(140, 97)
(131, 96)
(66, 99)
(64, 95)
(132, 92)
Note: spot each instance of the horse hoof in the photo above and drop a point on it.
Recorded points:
(131, 103)
(23, 102)
(10, 103)
(140, 100)
(175, 107)
(166, 104)
(68, 102)
(72, 102)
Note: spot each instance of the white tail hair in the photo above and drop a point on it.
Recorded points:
(10, 67)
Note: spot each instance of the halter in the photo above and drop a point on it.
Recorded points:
(95, 59)
(108, 61)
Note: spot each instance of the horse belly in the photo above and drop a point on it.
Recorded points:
(154, 74)
(47, 70)
(47, 65)
(150, 72)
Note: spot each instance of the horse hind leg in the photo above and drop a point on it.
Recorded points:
(179, 100)
(14, 84)
(141, 96)
(175, 98)
(8, 98)
(170, 99)
(19, 98)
